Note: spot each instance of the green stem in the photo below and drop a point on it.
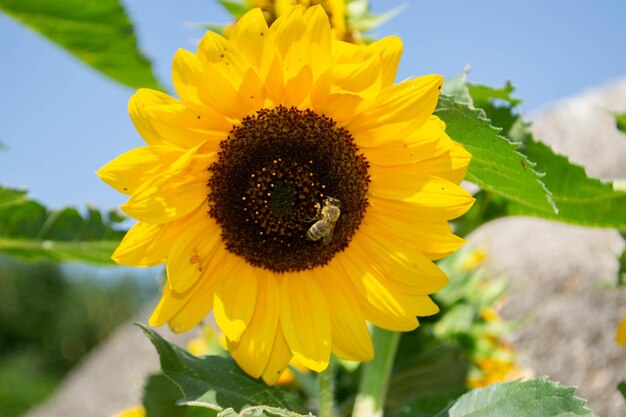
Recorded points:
(370, 401)
(326, 391)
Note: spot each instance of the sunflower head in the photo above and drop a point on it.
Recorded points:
(293, 189)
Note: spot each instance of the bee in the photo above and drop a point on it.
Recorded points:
(327, 217)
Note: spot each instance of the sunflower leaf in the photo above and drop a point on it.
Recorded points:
(30, 231)
(236, 8)
(212, 382)
(515, 399)
(160, 396)
(581, 200)
(430, 382)
(496, 165)
(99, 33)
(620, 121)
(621, 387)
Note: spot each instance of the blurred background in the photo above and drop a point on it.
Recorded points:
(61, 121)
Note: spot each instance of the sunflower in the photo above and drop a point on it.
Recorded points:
(335, 9)
(277, 131)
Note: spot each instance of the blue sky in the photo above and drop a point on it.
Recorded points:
(61, 121)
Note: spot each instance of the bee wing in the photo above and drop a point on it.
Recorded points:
(328, 236)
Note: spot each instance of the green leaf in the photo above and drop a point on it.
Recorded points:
(538, 397)
(30, 231)
(160, 396)
(456, 88)
(496, 166)
(498, 104)
(621, 274)
(99, 33)
(484, 96)
(431, 382)
(620, 121)
(260, 411)
(211, 381)
(622, 388)
(236, 8)
(581, 200)
(11, 197)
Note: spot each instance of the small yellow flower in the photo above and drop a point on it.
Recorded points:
(137, 411)
(620, 336)
(335, 9)
(273, 127)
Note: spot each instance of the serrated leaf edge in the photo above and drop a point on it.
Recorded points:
(481, 115)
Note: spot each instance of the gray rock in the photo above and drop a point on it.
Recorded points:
(562, 279)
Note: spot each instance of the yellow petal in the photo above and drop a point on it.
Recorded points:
(350, 336)
(149, 244)
(620, 336)
(433, 240)
(319, 35)
(252, 352)
(304, 320)
(386, 309)
(235, 300)
(166, 199)
(170, 303)
(297, 89)
(429, 192)
(198, 83)
(413, 100)
(141, 246)
(452, 166)
(291, 43)
(225, 64)
(405, 270)
(389, 50)
(129, 170)
(201, 295)
(191, 253)
(161, 119)
(363, 79)
(279, 359)
(188, 77)
(274, 81)
(175, 192)
(249, 35)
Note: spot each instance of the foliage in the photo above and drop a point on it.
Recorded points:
(516, 399)
(99, 33)
(577, 198)
(29, 230)
(620, 122)
(496, 166)
(213, 382)
(48, 322)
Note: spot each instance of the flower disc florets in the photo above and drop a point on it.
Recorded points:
(273, 173)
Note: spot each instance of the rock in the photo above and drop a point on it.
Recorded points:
(562, 278)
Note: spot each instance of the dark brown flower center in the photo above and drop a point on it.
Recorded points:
(274, 176)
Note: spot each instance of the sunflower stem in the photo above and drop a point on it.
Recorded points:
(326, 391)
(370, 401)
